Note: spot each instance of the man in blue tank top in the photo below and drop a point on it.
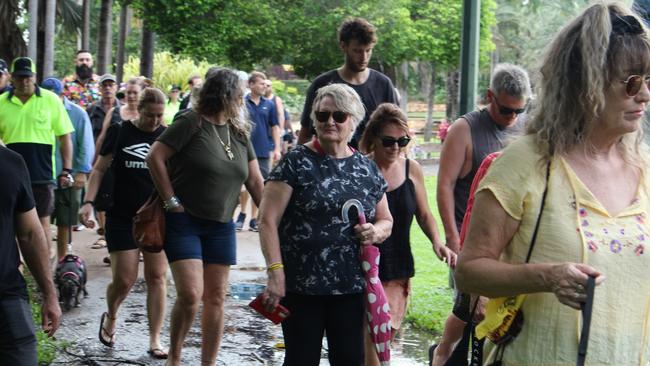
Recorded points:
(470, 139)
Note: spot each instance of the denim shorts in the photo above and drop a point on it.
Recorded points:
(17, 332)
(190, 237)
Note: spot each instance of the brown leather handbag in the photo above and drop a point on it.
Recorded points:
(149, 225)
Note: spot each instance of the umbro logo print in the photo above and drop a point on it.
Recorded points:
(138, 150)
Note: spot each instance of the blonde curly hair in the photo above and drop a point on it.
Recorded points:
(601, 46)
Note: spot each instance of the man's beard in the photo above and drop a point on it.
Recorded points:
(84, 72)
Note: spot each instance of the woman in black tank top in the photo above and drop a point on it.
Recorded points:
(384, 139)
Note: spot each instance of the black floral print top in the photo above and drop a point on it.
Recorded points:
(319, 251)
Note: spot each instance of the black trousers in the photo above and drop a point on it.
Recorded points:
(339, 316)
(17, 333)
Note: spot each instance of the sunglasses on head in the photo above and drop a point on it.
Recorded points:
(390, 141)
(633, 84)
(508, 111)
(337, 116)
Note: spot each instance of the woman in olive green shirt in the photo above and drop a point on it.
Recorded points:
(198, 166)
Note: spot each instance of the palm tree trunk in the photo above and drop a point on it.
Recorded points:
(12, 43)
(48, 54)
(146, 57)
(33, 29)
(105, 37)
(85, 30)
(121, 41)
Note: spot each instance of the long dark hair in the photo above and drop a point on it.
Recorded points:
(222, 92)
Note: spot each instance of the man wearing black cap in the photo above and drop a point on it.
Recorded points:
(31, 120)
(4, 76)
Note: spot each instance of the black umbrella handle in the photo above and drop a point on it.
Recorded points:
(586, 321)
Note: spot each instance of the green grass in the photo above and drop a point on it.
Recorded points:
(422, 115)
(47, 347)
(431, 299)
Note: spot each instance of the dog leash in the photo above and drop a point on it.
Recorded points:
(586, 321)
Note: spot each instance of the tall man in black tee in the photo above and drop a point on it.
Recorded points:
(356, 38)
(18, 220)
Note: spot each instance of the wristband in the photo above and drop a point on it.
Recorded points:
(92, 203)
(274, 266)
(171, 203)
(66, 170)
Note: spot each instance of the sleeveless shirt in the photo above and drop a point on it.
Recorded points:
(487, 137)
(396, 260)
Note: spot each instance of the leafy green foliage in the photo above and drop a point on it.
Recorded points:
(169, 69)
(303, 32)
(46, 346)
(524, 29)
(239, 33)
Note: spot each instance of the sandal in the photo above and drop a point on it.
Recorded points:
(101, 231)
(111, 336)
(157, 353)
(99, 243)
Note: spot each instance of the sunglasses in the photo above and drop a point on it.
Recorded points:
(508, 111)
(337, 116)
(390, 141)
(633, 84)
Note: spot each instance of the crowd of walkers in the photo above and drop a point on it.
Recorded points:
(560, 202)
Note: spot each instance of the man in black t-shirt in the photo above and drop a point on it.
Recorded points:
(18, 220)
(356, 38)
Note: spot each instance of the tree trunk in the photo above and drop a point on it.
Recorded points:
(105, 37)
(33, 29)
(121, 42)
(402, 85)
(146, 56)
(453, 77)
(427, 84)
(40, 40)
(85, 30)
(12, 43)
(48, 54)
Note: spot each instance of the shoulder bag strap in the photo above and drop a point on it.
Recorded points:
(541, 210)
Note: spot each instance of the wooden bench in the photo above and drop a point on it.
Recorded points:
(426, 153)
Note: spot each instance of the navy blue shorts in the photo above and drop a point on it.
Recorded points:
(190, 237)
(17, 333)
(119, 233)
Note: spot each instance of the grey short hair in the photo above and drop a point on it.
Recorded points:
(511, 79)
(345, 98)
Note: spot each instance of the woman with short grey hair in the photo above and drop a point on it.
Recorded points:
(312, 255)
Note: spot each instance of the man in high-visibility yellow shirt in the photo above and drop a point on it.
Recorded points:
(31, 119)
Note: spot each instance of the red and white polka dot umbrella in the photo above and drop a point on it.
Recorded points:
(377, 309)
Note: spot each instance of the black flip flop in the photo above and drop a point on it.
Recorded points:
(157, 353)
(111, 341)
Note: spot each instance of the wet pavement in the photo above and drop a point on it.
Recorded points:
(248, 338)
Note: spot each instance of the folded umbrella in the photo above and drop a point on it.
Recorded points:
(377, 309)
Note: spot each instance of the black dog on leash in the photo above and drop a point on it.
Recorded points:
(70, 279)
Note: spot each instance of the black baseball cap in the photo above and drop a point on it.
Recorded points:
(23, 66)
(3, 66)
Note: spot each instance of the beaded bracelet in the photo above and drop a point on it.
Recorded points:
(274, 266)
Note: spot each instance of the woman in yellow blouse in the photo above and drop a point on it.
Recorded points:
(586, 129)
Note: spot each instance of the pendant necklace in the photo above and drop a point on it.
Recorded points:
(226, 147)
